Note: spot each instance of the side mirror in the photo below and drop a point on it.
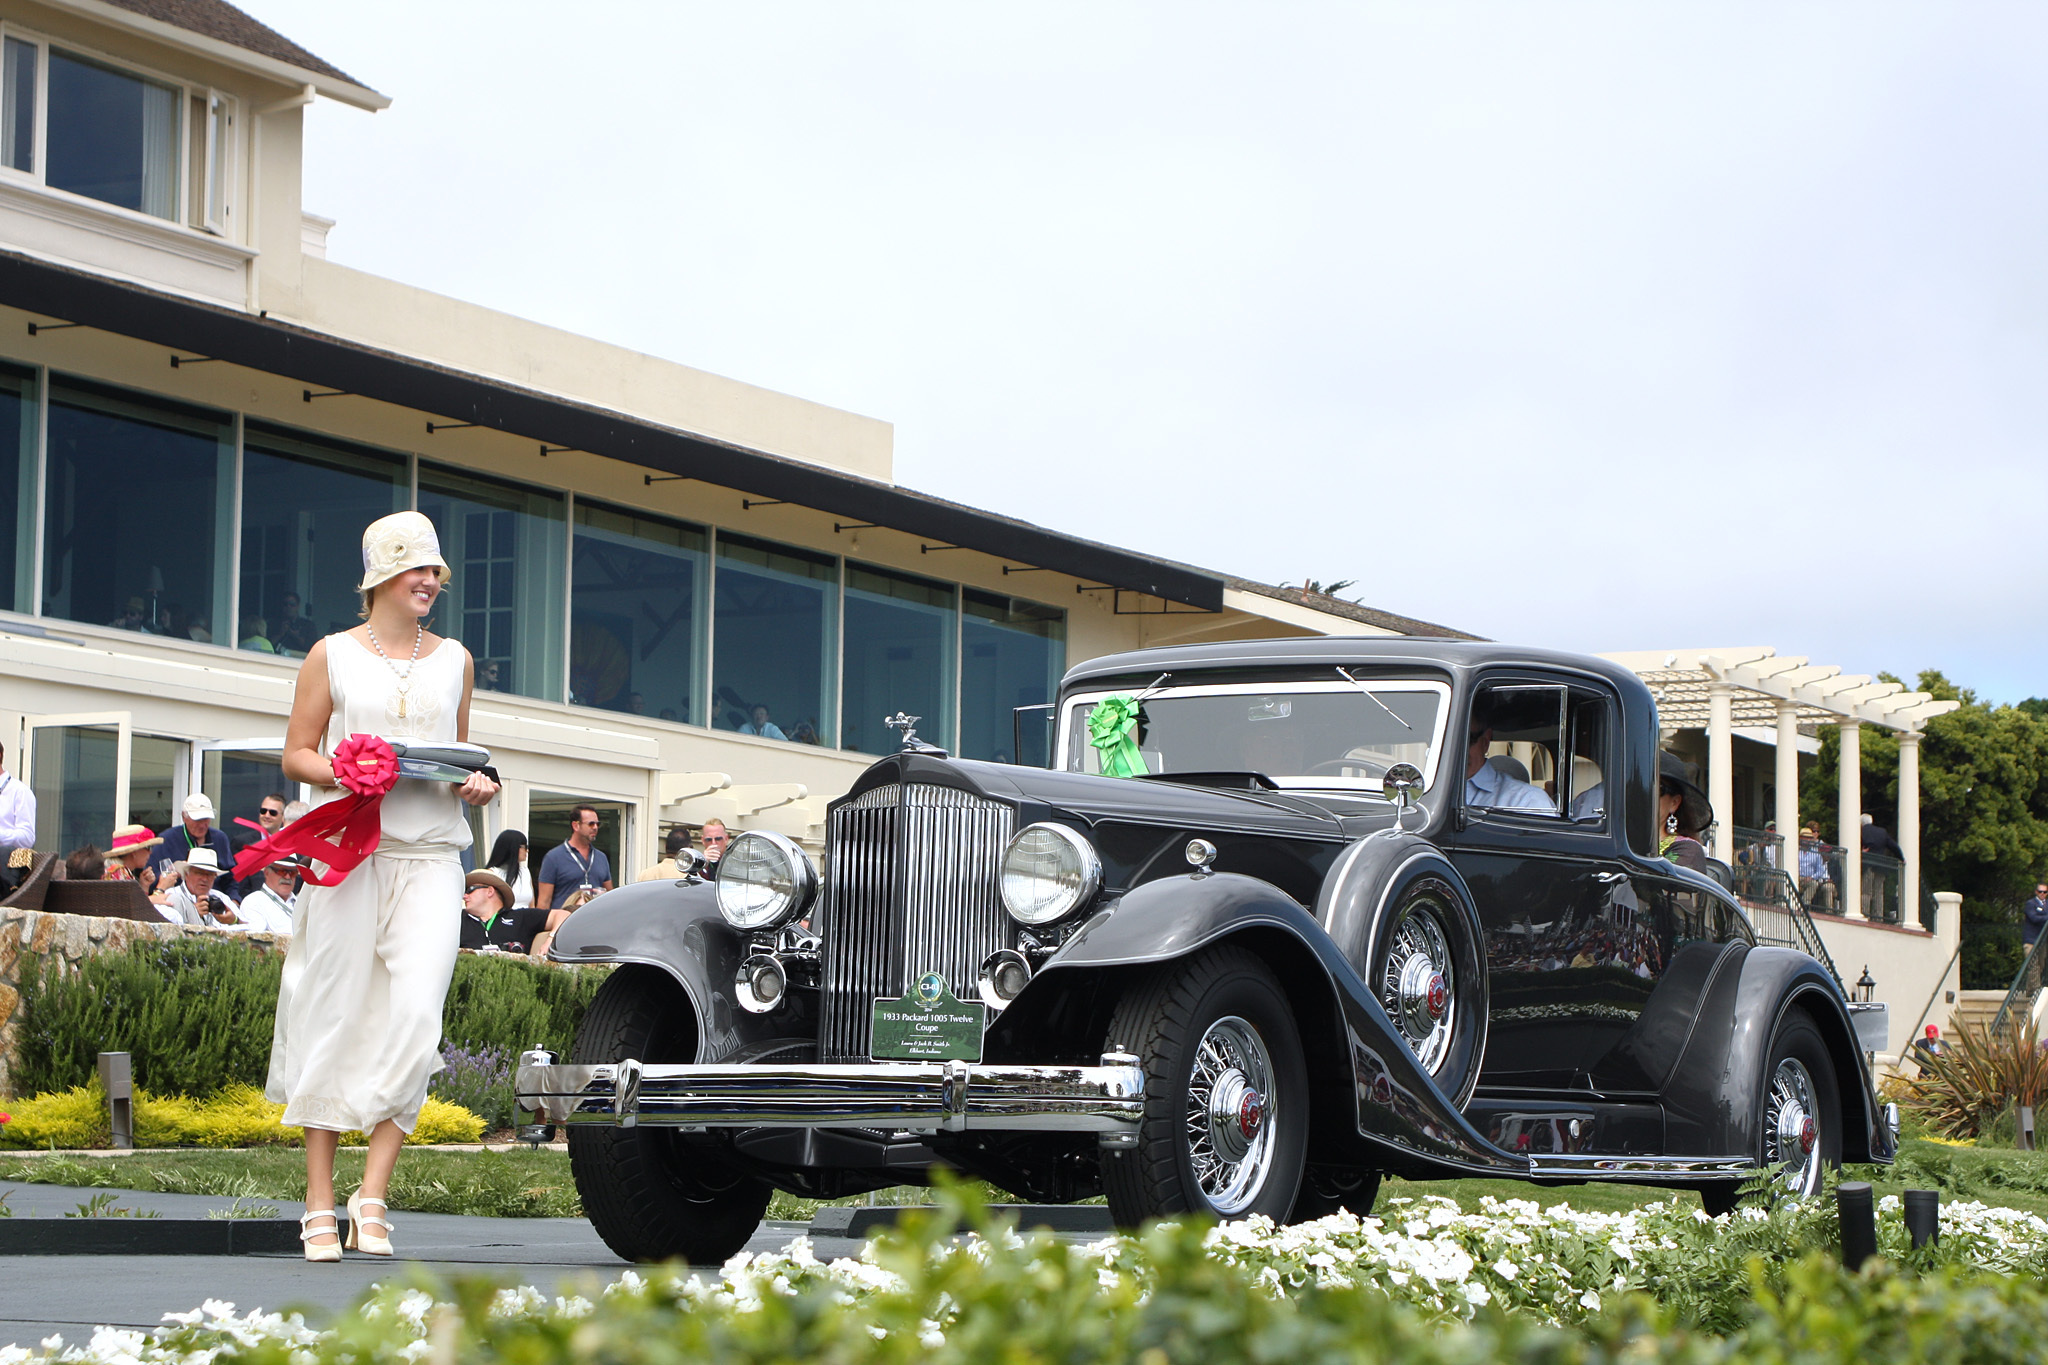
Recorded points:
(1402, 784)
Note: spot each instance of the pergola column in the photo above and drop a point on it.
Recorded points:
(1909, 826)
(1849, 821)
(1721, 767)
(1788, 790)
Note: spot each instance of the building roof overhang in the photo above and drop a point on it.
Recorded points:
(334, 364)
(1759, 681)
(224, 34)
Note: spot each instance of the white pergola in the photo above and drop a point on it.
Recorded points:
(1718, 689)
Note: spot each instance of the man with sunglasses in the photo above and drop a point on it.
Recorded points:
(270, 815)
(714, 836)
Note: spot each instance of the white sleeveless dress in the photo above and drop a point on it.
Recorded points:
(358, 1029)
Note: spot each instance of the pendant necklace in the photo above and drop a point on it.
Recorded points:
(404, 678)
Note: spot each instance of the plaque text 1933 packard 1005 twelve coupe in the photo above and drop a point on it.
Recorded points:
(1279, 917)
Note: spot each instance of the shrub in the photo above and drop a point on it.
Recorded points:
(1962, 1090)
(196, 1014)
(238, 1116)
(479, 1081)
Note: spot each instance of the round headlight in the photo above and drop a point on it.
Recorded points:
(1048, 871)
(764, 880)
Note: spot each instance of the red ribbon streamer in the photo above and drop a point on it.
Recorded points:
(341, 833)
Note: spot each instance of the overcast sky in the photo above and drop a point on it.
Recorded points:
(1601, 326)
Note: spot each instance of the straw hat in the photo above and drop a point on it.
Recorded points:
(401, 541)
(203, 859)
(131, 839)
(493, 881)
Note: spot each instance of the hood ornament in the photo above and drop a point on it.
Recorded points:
(911, 743)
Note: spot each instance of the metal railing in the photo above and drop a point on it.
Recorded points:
(2025, 992)
(1758, 851)
(1777, 914)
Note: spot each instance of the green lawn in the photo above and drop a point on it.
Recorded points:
(527, 1184)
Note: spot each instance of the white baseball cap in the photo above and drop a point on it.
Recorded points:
(198, 806)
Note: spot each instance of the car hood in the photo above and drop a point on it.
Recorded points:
(1093, 799)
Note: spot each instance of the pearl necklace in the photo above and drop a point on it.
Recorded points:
(404, 678)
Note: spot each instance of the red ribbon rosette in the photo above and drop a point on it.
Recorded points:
(341, 833)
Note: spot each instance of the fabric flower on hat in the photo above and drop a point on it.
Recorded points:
(401, 541)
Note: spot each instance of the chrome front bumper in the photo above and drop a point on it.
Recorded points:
(951, 1097)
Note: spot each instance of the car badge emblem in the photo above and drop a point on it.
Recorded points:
(930, 988)
(905, 723)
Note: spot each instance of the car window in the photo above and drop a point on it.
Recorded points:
(1513, 737)
(1342, 735)
(1582, 783)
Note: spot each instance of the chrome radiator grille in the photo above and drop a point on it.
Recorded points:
(910, 888)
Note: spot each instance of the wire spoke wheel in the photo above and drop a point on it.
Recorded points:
(1229, 1137)
(1791, 1128)
(1417, 983)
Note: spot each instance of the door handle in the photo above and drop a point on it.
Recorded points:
(1610, 878)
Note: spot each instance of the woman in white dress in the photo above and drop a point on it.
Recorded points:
(359, 1015)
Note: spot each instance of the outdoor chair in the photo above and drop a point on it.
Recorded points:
(107, 900)
(29, 895)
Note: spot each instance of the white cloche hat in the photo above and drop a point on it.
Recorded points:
(393, 544)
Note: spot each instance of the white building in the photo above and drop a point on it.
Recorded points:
(199, 412)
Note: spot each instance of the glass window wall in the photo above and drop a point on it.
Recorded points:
(507, 546)
(637, 614)
(1011, 654)
(18, 480)
(138, 514)
(18, 106)
(113, 136)
(777, 618)
(304, 506)
(900, 638)
(73, 772)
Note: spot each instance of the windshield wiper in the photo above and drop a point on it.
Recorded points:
(1345, 674)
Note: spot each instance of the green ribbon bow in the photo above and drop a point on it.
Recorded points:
(1113, 729)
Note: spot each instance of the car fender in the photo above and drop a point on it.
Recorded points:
(675, 926)
(1396, 1107)
(1714, 1095)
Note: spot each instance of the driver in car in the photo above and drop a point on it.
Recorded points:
(1487, 785)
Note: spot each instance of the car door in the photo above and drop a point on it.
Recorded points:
(1570, 960)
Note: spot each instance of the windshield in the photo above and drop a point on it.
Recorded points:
(1331, 736)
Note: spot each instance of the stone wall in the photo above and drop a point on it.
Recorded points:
(29, 939)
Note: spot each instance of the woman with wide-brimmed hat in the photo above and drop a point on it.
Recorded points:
(1683, 814)
(359, 1010)
(128, 855)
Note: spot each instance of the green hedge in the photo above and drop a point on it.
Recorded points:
(196, 1014)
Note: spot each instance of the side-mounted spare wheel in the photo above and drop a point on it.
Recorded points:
(1226, 1093)
(650, 1194)
(1425, 963)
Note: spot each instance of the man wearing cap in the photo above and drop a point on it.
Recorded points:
(17, 819)
(488, 919)
(269, 907)
(1815, 886)
(195, 832)
(195, 899)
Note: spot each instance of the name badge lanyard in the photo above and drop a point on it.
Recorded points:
(585, 863)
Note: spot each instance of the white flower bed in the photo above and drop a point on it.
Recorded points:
(1558, 1264)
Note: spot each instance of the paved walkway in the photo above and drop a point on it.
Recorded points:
(73, 1294)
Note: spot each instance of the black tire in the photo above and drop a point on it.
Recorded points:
(1325, 1190)
(1253, 1147)
(1427, 924)
(1799, 1073)
(650, 1194)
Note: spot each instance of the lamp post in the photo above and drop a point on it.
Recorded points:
(1866, 989)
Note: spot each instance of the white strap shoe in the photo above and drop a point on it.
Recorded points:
(366, 1231)
(307, 1232)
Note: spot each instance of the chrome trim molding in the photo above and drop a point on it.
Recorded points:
(933, 1097)
(1582, 1166)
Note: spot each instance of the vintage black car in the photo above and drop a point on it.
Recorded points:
(1359, 906)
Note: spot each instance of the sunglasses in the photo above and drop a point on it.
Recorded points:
(271, 810)
(714, 838)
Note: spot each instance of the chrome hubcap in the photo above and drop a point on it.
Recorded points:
(1418, 988)
(1792, 1128)
(1229, 1115)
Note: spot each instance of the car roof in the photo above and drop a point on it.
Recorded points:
(1458, 657)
